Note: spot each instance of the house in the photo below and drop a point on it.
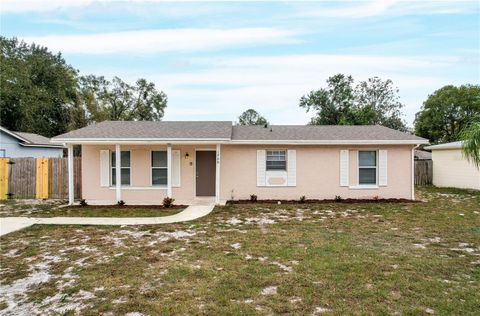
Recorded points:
(422, 155)
(452, 169)
(19, 144)
(189, 160)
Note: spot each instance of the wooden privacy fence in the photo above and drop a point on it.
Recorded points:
(39, 178)
(423, 172)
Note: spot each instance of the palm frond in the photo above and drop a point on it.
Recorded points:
(471, 142)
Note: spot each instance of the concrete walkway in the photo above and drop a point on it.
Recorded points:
(10, 224)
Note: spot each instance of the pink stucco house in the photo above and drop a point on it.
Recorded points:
(143, 162)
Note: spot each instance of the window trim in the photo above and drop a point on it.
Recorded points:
(367, 185)
(266, 160)
(152, 167)
(112, 167)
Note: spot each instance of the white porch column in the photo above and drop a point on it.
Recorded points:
(71, 191)
(217, 176)
(169, 170)
(118, 173)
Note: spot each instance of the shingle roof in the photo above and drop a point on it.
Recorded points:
(30, 139)
(223, 130)
(320, 133)
(156, 130)
(34, 138)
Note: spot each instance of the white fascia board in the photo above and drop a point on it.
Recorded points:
(330, 142)
(153, 141)
(46, 146)
(139, 141)
(6, 131)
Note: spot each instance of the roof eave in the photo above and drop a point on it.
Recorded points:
(108, 141)
(43, 145)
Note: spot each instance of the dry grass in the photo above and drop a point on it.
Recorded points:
(51, 208)
(257, 259)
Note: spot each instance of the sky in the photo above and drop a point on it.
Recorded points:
(216, 59)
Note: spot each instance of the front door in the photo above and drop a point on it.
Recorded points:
(205, 173)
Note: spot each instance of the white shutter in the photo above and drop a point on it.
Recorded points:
(344, 165)
(292, 168)
(175, 168)
(261, 168)
(104, 168)
(382, 167)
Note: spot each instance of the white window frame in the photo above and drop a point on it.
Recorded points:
(112, 167)
(367, 167)
(3, 153)
(276, 170)
(152, 167)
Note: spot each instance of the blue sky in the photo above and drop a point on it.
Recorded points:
(216, 59)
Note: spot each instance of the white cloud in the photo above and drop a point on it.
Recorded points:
(364, 9)
(163, 40)
(223, 88)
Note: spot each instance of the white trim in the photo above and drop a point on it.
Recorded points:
(364, 187)
(383, 167)
(40, 145)
(452, 145)
(179, 185)
(3, 129)
(413, 172)
(185, 141)
(127, 188)
(71, 190)
(111, 167)
(169, 170)
(367, 167)
(345, 170)
(151, 169)
(118, 174)
(217, 175)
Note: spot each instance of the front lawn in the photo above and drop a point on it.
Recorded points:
(52, 208)
(377, 258)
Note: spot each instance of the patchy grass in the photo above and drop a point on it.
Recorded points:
(385, 258)
(51, 208)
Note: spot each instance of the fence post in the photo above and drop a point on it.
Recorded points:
(3, 178)
(42, 178)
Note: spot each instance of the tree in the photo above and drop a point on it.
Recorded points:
(332, 105)
(117, 100)
(471, 141)
(371, 102)
(37, 88)
(377, 103)
(251, 117)
(447, 112)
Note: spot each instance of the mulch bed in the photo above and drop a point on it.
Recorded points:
(312, 201)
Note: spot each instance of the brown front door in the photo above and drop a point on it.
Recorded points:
(205, 169)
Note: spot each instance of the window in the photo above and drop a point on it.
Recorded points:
(2, 153)
(367, 167)
(159, 168)
(124, 170)
(276, 160)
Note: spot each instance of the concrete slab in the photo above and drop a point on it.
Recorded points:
(10, 224)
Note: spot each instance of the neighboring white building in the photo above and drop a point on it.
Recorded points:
(18, 145)
(452, 169)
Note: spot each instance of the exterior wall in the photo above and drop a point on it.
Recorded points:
(13, 149)
(318, 173)
(140, 190)
(451, 169)
(317, 176)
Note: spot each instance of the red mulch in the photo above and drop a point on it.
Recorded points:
(312, 201)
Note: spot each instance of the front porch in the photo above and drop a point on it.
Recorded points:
(148, 173)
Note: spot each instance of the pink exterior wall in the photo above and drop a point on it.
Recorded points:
(317, 174)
